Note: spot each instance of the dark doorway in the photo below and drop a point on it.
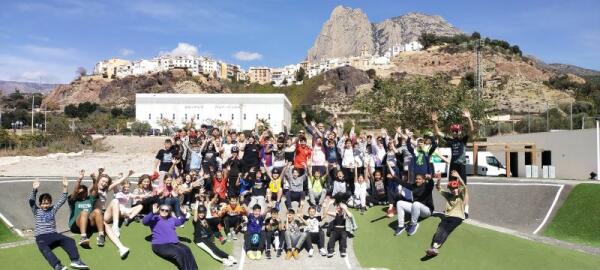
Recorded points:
(546, 158)
(528, 155)
(514, 164)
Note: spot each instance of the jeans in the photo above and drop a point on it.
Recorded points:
(446, 226)
(177, 253)
(292, 196)
(294, 238)
(47, 242)
(317, 198)
(231, 222)
(416, 209)
(318, 237)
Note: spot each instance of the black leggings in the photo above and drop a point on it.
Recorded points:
(318, 237)
(270, 238)
(212, 250)
(178, 254)
(446, 226)
(231, 222)
(338, 234)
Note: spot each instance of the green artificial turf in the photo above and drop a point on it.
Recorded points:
(468, 247)
(28, 257)
(6, 235)
(578, 220)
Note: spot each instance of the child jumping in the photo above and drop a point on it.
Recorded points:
(46, 236)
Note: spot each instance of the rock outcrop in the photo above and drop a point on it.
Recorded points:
(122, 91)
(349, 30)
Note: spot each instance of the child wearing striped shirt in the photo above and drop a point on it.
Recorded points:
(46, 236)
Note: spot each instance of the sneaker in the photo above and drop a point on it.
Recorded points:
(182, 226)
(268, 254)
(227, 263)
(311, 252)
(100, 240)
(124, 253)
(466, 215)
(296, 254)
(323, 252)
(230, 236)
(235, 236)
(432, 252)
(251, 255)
(258, 255)
(343, 254)
(318, 209)
(330, 254)
(84, 242)
(390, 212)
(362, 210)
(127, 221)
(288, 254)
(188, 215)
(232, 259)
(277, 206)
(399, 231)
(412, 229)
(279, 253)
(60, 267)
(78, 264)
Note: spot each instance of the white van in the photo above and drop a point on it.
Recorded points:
(488, 164)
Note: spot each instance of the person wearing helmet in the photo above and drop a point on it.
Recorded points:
(457, 142)
(204, 237)
(457, 197)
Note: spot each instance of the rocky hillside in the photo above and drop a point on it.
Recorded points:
(122, 91)
(511, 83)
(348, 30)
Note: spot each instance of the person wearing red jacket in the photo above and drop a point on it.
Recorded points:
(303, 152)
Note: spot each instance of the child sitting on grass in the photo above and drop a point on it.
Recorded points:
(46, 236)
(254, 240)
(456, 199)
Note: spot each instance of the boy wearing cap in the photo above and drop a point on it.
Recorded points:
(457, 198)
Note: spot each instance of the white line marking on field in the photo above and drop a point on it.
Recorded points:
(347, 261)
(10, 225)
(242, 259)
(549, 210)
(513, 184)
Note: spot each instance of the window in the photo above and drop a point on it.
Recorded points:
(492, 161)
(173, 116)
(244, 116)
(257, 116)
(197, 116)
(161, 116)
(269, 116)
(185, 115)
(149, 116)
(232, 116)
(220, 115)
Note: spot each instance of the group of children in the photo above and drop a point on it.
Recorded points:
(233, 182)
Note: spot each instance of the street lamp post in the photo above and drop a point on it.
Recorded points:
(32, 110)
(597, 146)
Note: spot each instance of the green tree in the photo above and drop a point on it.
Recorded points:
(409, 102)
(71, 110)
(284, 82)
(116, 112)
(516, 50)
(372, 74)
(300, 74)
(140, 128)
(475, 35)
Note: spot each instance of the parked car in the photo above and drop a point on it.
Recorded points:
(89, 131)
(487, 163)
(110, 131)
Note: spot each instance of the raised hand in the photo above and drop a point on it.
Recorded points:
(65, 182)
(81, 175)
(303, 114)
(434, 116)
(131, 172)
(399, 130)
(36, 184)
(466, 113)
(155, 208)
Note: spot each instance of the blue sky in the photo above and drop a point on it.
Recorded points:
(49, 39)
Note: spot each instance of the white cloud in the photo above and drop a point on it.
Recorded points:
(182, 49)
(126, 52)
(247, 56)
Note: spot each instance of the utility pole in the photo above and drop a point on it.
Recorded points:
(528, 121)
(478, 80)
(571, 116)
(547, 117)
(32, 110)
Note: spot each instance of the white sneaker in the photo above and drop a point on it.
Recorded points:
(323, 252)
(124, 252)
(232, 259)
(182, 226)
(227, 263)
(188, 215)
(311, 252)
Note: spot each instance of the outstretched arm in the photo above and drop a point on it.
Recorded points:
(120, 180)
(467, 114)
(436, 129)
(36, 185)
(77, 184)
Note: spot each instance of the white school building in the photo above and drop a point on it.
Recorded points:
(241, 110)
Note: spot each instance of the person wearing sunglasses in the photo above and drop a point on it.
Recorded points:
(165, 242)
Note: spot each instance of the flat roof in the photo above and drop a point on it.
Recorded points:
(145, 98)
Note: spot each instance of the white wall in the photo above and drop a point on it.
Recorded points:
(573, 152)
(245, 109)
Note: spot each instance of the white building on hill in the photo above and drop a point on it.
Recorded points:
(241, 110)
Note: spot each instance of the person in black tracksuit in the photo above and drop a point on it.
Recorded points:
(204, 238)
